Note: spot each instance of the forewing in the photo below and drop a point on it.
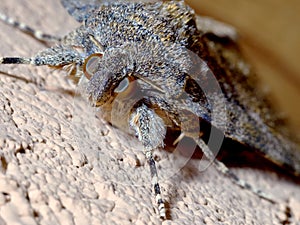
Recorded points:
(252, 119)
(81, 9)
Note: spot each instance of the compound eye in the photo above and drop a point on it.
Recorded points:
(123, 85)
(127, 87)
(91, 65)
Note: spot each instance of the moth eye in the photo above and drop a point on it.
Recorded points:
(127, 87)
(123, 85)
(91, 64)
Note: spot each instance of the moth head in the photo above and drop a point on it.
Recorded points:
(109, 75)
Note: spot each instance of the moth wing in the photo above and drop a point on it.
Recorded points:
(81, 9)
(210, 25)
(252, 119)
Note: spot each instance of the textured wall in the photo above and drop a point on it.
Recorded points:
(51, 176)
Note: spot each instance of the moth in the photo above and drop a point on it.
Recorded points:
(155, 68)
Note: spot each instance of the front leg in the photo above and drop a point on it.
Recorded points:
(150, 130)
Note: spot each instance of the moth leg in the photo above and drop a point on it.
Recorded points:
(150, 130)
(38, 35)
(59, 55)
(225, 170)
